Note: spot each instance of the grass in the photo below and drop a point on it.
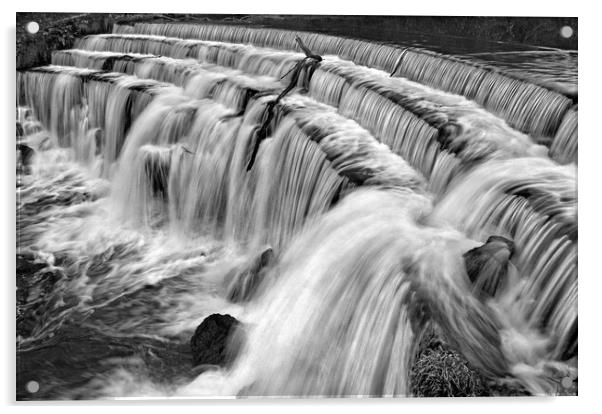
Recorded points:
(440, 371)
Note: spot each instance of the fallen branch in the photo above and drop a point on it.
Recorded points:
(307, 64)
(308, 53)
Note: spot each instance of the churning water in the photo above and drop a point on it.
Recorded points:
(163, 168)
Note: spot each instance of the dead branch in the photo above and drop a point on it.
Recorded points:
(308, 53)
(307, 64)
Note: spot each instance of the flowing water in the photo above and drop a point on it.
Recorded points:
(163, 168)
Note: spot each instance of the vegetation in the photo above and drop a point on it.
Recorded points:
(440, 371)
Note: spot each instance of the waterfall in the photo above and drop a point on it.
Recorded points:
(369, 180)
(412, 117)
(534, 202)
(112, 102)
(372, 281)
(564, 147)
(530, 108)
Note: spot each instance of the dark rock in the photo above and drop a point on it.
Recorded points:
(26, 153)
(487, 265)
(448, 132)
(213, 342)
(19, 129)
(26, 264)
(245, 283)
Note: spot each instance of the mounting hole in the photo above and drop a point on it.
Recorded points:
(32, 387)
(566, 32)
(32, 27)
(567, 382)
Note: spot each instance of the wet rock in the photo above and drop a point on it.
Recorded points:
(26, 154)
(27, 265)
(245, 283)
(20, 132)
(448, 132)
(213, 342)
(487, 265)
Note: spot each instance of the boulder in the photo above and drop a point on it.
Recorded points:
(212, 342)
(245, 282)
(487, 265)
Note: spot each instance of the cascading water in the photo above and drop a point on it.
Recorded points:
(163, 165)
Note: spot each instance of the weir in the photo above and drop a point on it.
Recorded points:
(369, 179)
(409, 116)
(530, 108)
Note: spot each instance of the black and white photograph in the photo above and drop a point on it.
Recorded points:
(294, 206)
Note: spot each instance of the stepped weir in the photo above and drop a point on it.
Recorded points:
(369, 179)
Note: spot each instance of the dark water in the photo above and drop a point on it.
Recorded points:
(555, 66)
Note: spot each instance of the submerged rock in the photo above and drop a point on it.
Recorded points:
(487, 265)
(245, 283)
(212, 342)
